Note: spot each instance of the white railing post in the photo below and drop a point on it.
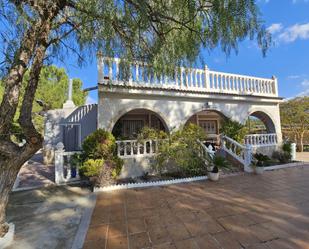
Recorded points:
(293, 151)
(100, 66)
(207, 83)
(275, 85)
(248, 158)
(59, 170)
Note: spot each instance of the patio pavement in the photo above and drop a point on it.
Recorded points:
(269, 211)
(302, 156)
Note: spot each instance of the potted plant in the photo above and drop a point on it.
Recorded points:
(217, 162)
(259, 161)
(259, 168)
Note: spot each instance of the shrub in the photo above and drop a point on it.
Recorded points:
(282, 156)
(261, 160)
(219, 162)
(234, 130)
(92, 167)
(182, 149)
(151, 133)
(100, 144)
(98, 157)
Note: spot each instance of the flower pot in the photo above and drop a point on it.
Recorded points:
(8, 238)
(213, 176)
(259, 170)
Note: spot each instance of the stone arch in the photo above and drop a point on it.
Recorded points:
(265, 117)
(201, 109)
(137, 118)
(146, 107)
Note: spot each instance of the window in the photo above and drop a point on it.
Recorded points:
(132, 127)
(209, 126)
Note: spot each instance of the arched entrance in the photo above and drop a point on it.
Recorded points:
(260, 123)
(210, 121)
(130, 124)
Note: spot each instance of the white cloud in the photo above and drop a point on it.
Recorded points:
(305, 83)
(295, 32)
(298, 1)
(294, 76)
(90, 100)
(275, 28)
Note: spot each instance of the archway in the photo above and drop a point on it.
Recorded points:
(130, 124)
(210, 121)
(259, 122)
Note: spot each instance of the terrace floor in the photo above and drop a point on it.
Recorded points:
(269, 211)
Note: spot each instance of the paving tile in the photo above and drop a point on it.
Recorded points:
(154, 221)
(117, 229)
(168, 245)
(136, 225)
(159, 235)
(207, 242)
(139, 240)
(187, 244)
(117, 243)
(178, 232)
(226, 240)
(262, 233)
(94, 244)
(97, 233)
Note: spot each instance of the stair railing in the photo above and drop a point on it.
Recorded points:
(242, 153)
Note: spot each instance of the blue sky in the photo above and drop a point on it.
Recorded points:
(288, 59)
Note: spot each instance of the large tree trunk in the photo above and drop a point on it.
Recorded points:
(12, 157)
(9, 168)
(301, 142)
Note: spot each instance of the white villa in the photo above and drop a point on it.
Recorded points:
(200, 96)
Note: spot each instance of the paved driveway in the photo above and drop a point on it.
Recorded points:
(269, 211)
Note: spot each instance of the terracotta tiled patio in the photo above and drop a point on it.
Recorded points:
(257, 212)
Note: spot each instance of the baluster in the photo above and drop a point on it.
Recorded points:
(117, 70)
(195, 79)
(145, 148)
(131, 148)
(125, 149)
(130, 74)
(137, 72)
(118, 148)
(176, 77)
(110, 70)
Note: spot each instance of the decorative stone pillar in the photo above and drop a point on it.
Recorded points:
(293, 151)
(248, 159)
(59, 170)
(69, 103)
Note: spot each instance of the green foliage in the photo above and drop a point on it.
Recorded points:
(92, 167)
(100, 144)
(117, 164)
(52, 90)
(183, 150)
(99, 147)
(295, 117)
(151, 133)
(234, 130)
(164, 32)
(281, 156)
(218, 162)
(261, 160)
(286, 147)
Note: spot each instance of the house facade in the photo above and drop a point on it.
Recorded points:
(167, 102)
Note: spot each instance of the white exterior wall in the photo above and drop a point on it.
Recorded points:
(176, 108)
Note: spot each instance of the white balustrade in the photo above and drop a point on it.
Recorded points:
(139, 74)
(134, 148)
(64, 171)
(242, 153)
(206, 150)
(260, 140)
